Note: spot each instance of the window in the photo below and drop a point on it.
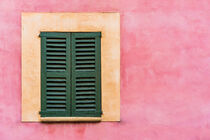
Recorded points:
(64, 28)
(70, 74)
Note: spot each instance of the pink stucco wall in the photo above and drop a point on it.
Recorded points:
(165, 71)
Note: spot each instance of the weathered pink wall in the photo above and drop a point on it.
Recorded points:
(165, 71)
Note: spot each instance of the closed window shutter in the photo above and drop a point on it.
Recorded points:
(86, 74)
(55, 74)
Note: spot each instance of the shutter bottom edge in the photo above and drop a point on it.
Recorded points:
(86, 114)
(54, 113)
(70, 119)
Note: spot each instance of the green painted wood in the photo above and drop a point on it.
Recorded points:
(88, 53)
(86, 74)
(54, 40)
(55, 94)
(56, 58)
(58, 98)
(70, 74)
(84, 45)
(55, 74)
(57, 45)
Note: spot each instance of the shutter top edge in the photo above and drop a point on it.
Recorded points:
(42, 34)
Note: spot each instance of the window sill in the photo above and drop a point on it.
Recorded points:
(70, 119)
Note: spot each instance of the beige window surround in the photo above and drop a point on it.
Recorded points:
(107, 23)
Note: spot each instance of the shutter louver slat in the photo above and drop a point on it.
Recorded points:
(55, 93)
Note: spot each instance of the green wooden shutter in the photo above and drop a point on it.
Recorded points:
(55, 74)
(86, 74)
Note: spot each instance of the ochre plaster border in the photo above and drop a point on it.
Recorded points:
(107, 23)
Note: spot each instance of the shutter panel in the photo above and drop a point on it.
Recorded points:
(55, 74)
(86, 74)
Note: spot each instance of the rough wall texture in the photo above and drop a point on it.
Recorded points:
(165, 68)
